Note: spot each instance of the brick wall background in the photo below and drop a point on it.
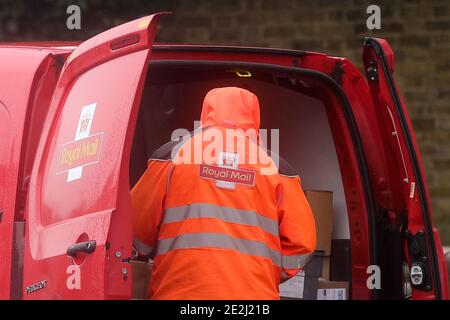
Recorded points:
(418, 31)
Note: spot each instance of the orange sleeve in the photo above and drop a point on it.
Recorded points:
(297, 226)
(147, 201)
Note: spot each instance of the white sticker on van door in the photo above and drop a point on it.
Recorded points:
(83, 130)
(83, 150)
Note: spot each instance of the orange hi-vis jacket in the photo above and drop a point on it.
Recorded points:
(219, 223)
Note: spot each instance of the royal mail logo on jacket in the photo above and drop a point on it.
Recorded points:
(227, 174)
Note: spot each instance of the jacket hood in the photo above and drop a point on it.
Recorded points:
(231, 107)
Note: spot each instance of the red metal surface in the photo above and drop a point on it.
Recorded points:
(113, 81)
(42, 44)
(20, 79)
(395, 183)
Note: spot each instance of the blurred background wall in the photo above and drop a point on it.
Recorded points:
(418, 31)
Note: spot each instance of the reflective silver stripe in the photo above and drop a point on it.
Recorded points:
(205, 210)
(218, 240)
(141, 247)
(295, 262)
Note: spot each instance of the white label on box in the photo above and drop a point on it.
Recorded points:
(293, 288)
(331, 294)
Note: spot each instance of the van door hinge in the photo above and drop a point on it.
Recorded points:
(419, 265)
(372, 72)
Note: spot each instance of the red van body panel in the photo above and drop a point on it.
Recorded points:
(26, 85)
(79, 205)
(81, 157)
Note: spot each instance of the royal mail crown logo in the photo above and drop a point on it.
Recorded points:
(227, 173)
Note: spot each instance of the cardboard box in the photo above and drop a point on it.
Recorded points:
(141, 279)
(321, 203)
(332, 290)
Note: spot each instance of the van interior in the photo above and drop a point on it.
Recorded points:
(296, 106)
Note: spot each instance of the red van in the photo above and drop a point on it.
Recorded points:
(79, 121)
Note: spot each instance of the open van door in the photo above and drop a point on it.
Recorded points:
(422, 251)
(27, 80)
(79, 233)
